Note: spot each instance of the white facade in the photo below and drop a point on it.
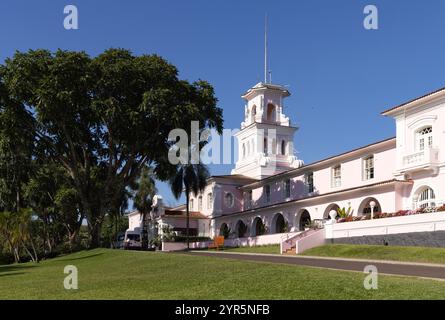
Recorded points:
(270, 191)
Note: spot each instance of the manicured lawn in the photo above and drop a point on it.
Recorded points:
(272, 249)
(107, 274)
(411, 254)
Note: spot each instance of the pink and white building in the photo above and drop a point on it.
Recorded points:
(271, 193)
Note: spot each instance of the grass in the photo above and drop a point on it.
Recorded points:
(409, 254)
(270, 249)
(108, 274)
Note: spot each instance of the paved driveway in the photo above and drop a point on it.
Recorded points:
(384, 267)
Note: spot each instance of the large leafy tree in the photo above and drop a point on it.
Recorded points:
(105, 118)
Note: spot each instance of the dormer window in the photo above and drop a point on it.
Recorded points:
(424, 138)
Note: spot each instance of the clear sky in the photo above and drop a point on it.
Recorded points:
(341, 76)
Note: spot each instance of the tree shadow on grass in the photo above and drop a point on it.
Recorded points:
(11, 274)
(80, 258)
(10, 269)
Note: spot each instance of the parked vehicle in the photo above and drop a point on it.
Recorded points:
(132, 240)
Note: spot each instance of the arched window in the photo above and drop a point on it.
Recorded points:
(265, 146)
(365, 207)
(253, 114)
(425, 199)
(283, 147)
(424, 138)
(229, 200)
(271, 113)
(224, 230)
(244, 150)
(209, 200)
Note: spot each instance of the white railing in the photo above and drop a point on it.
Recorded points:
(288, 242)
(425, 157)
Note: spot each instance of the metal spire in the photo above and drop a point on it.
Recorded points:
(265, 49)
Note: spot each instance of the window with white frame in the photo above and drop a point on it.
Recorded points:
(266, 193)
(209, 200)
(368, 168)
(424, 138)
(265, 147)
(286, 188)
(425, 199)
(309, 178)
(191, 205)
(229, 200)
(200, 203)
(336, 176)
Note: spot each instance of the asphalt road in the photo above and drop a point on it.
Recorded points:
(392, 268)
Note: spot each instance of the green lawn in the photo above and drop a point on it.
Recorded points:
(411, 254)
(107, 274)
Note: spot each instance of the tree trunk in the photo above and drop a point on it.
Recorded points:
(95, 235)
(187, 219)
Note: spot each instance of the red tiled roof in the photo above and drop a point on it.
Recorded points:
(183, 214)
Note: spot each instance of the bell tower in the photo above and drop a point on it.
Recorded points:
(265, 142)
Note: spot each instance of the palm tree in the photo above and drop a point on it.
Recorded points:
(189, 178)
(143, 200)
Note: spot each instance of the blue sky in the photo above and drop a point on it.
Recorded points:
(341, 76)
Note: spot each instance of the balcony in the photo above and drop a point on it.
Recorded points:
(426, 159)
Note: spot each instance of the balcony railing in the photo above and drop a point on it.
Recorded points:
(425, 158)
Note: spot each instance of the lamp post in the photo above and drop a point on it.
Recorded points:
(372, 204)
(333, 215)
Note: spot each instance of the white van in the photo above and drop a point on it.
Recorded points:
(132, 240)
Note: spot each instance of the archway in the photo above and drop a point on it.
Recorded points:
(365, 207)
(271, 113)
(241, 229)
(305, 219)
(278, 224)
(328, 210)
(224, 230)
(258, 227)
(253, 114)
(424, 198)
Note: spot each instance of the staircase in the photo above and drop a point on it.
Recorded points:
(292, 245)
(290, 252)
